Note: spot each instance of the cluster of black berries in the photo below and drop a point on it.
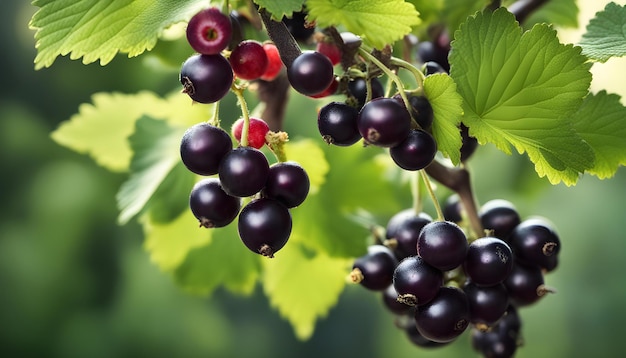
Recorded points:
(438, 283)
(264, 223)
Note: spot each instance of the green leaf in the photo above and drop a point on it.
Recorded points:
(225, 261)
(98, 30)
(156, 152)
(606, 36)
(304, 285)
(169, 243)
(311, 157)
(101, 129)
(441, 92)
(601, 122)
(280, 8)
(379, 22)
(170, 198)
(520, 90)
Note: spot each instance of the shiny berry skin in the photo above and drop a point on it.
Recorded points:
(416, 282)
(500, 216)
(384, 122)
(469, 143)
(288, 183)
(404, 227)
(249, 60)
(206, 78)
(358, 89)
(336, 122)
(525, 284)
(274, 63)
(256, 132)
(489, 261)
(209, 31)
(331, 90)
(487, 303)
(244, 171)
(390, 300)
(374, 270)
(415, 152)
(534, 242)
(264, 226)
(202, 148)
(211, 205)
(445, 317)
(442, 244)
(310, 73)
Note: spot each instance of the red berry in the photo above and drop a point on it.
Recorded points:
(209, 31)
(274, 63)
(256, 133)
(331, 51)
(249, 60)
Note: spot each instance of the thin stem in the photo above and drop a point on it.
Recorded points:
(416, 193)
(433, 197)
(215, 116)
(238, 91)
(419, 76)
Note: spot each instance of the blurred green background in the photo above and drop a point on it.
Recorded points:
(75, 284)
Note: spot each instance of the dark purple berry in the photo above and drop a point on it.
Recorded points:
(298, 27)
(487, 303)
(337, 124)
(469, 143)
(264, 226)
(416, 281)
(203, 147)
(500, 216)
(209, 31)
(211, 205)
(384, 122)
(534, 241)
(310, 73)
(445, 317)
(489, 261)
(206, 78)
(404, 229)
(452, 209)
(244, 171)
(374, 270)
(442, 244)
(390, 300)
(288, 183)
(415, 152)
(358, 89)
(525, 284)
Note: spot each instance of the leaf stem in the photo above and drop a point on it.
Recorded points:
(238, 91)
(419, 76)
(215, 116)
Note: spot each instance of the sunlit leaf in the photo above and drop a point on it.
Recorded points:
(605, 36)
(280, 8)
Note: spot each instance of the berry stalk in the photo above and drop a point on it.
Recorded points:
(238, 91)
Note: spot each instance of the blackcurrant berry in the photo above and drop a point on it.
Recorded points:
(493, 343)
(256, 131)
(329, 91)
(358, 89)
(442, 244)
(264, 226)
(374, 270)
(384, 122)
(415, 152)
(211, 205)
(336, 122)
(500, 216)
(534, 241)
(209, 31)
(390, 300)
(417, 339)
(288, 183)
(469, 143)
(310, 73)
(525, 284)
(274, 63)
(432, 67)
(404, 229)
(203, 147)
(487, 303)
(249, 60)
(452, 209)
(445, 317)
(489, 261)
(416, 281)
(206, 78)
(244, 171)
